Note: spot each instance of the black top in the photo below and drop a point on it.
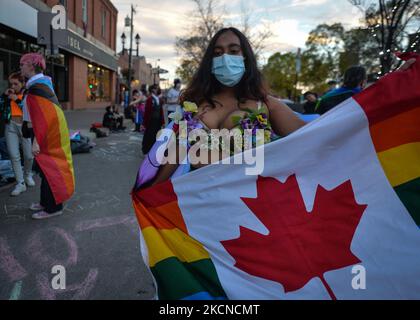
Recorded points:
(328, 103)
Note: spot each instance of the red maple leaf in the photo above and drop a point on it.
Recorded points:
(300, 245)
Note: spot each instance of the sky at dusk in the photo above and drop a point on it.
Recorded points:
(159, 22)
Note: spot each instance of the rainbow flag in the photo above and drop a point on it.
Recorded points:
(172, 251)
(52, 134)
(393, 112)
(334, 214)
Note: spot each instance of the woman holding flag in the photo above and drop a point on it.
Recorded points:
(228, 89)
(213, 235)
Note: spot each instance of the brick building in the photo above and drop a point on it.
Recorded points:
(85, 70)
(143, 71)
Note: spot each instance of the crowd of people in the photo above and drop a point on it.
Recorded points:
(149, 110)
(23, 107)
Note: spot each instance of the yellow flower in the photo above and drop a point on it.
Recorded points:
(262, 120)
(190, 107)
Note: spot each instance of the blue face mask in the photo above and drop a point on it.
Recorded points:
(228, 69)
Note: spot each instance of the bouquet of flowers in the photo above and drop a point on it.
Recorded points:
(252, 122)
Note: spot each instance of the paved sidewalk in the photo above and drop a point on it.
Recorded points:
(97, 238)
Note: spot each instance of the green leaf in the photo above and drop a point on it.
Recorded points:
(236, 119)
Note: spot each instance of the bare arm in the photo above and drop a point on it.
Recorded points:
(35, 148)
(173, 159)
(135, 102)
(283, 120)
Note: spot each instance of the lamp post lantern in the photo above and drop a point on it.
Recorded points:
(138, 39)
(123, 38)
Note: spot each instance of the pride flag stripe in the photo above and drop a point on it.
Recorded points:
(52, 134)
(396, 131)
(394, 123)
(181, 265)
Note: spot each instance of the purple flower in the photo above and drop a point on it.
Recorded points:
(188, 116)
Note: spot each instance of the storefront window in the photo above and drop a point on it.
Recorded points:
(4, 62)
(99, 86)
(13, 46)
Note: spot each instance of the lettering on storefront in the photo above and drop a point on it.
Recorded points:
(70, 41)
(73, 43)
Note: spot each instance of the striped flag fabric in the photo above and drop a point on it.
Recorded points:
(334, 215)
(52, 135)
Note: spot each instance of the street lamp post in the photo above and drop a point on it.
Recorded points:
(130, 23)
(123, 38)
(156, 72)
(138, 38)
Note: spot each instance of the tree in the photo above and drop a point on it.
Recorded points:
(280, 73)
(315, 72)
(257, 38)
(325, 43)
(390, 23)
(359, 49)
(208, 19)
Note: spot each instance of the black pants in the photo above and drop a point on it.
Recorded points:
(47, 197)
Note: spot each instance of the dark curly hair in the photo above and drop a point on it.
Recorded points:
(204, 84)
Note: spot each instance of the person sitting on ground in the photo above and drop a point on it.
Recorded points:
(109, 119)
(311, 101)
(355, 79)
(119, 118)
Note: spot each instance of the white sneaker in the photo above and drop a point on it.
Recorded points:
(44, 215)
(20, 188)
(36, 207)
(30, 181)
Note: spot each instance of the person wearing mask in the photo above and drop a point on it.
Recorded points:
(12, 113)
(228, 85)
(51, 145)
(355, 79)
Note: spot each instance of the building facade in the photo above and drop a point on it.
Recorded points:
(142, 71)
(84, 71)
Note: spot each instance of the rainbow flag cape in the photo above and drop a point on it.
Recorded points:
(335, 213)
(52, 134)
